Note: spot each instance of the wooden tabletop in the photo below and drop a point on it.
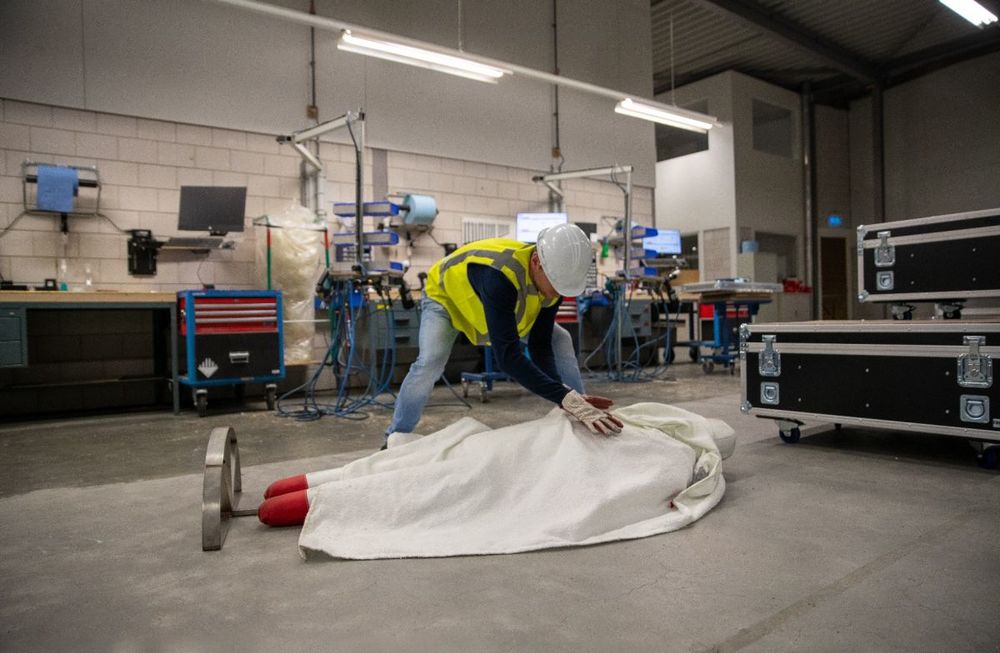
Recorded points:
(100, 297)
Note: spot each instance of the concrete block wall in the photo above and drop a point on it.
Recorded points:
(143, 163)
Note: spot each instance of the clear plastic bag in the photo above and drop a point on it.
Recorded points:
(296, 264)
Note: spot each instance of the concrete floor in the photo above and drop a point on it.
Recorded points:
(845, 542)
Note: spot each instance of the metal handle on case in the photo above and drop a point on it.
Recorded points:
(239, 357)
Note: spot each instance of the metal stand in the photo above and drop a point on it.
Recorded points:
(484, 379)
(612, 172)
(223, 482)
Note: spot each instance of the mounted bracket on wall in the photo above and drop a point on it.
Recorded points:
(142, 250)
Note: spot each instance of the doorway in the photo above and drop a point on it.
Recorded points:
(833, 278)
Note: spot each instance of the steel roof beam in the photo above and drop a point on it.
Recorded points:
(790, 32)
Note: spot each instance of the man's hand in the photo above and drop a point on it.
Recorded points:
(598, 402)
(594, 419)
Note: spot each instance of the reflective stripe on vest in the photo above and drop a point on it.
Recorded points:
(502, 259)
(465, 307)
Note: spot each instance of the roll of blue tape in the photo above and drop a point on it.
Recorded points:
(420, 209)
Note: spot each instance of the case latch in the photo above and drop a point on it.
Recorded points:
(885, 254)
(769, 363)
(975, 370)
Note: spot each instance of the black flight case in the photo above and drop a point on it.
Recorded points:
(944, 259)
(932, 376)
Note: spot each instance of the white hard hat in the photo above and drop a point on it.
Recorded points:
(566, 255)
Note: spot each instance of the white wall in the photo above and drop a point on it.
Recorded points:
(942, 141)
(768, 186)
(197, 62)
(941, 144)
(697, 192)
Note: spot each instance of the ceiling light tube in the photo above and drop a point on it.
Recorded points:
(408, 54)
(663, 114)
(971, 11)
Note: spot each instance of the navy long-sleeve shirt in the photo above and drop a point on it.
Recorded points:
(499, 297)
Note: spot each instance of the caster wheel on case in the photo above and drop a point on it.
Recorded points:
(791, 436)
(989, 458)
(707, 367)
(693, 354)
(271, 397)
(482, 393)
(668, 355)
(201, 403)
(465, 389)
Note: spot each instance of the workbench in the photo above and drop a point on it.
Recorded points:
(17, 308)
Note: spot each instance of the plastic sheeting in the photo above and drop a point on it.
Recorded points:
(296, 263)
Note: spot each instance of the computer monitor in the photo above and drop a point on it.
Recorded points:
(666, 242)
(215, 209)
(530, 224)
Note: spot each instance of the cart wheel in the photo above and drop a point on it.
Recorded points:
(732, 369)
(482, 393)
(989, 458)
(791, 437)
(708, 366)
(465, 389)
(201, 401)
(668, 356)
(693, 354)
(272, 393)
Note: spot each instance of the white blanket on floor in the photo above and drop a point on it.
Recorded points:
(468, 489)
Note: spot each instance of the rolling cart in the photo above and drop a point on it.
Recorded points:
(729, 299)
(230, 337)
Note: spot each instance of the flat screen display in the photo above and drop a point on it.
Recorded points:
(666, 242)
(530, 224)
(215, 209)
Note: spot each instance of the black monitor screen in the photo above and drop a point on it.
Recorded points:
(215, 209)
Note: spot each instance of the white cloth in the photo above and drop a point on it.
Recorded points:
(468, 490)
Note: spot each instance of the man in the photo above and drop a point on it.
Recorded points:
(498, 291)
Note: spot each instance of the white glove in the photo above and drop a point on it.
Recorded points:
(598, 421)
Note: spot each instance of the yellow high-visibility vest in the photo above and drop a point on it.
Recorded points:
(448, 284)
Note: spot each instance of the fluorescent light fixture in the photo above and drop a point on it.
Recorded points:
(408, 54)
(971, 11)
(664, 115)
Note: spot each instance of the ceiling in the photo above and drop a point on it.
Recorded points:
(842, 48)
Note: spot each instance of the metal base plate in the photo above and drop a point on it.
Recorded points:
(223, 484)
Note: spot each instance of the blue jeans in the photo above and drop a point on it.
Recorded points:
(437, 336)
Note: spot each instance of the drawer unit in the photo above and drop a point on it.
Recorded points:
(13, 338)
(230, 338)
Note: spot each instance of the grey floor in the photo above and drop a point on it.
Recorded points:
(850, 541)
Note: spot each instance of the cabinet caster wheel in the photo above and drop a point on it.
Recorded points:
(693, 354)
(989, 458)
(482, 393)
(707, 367)
(465, 389)
(201, 402)
(791, 437)
(271, 397)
